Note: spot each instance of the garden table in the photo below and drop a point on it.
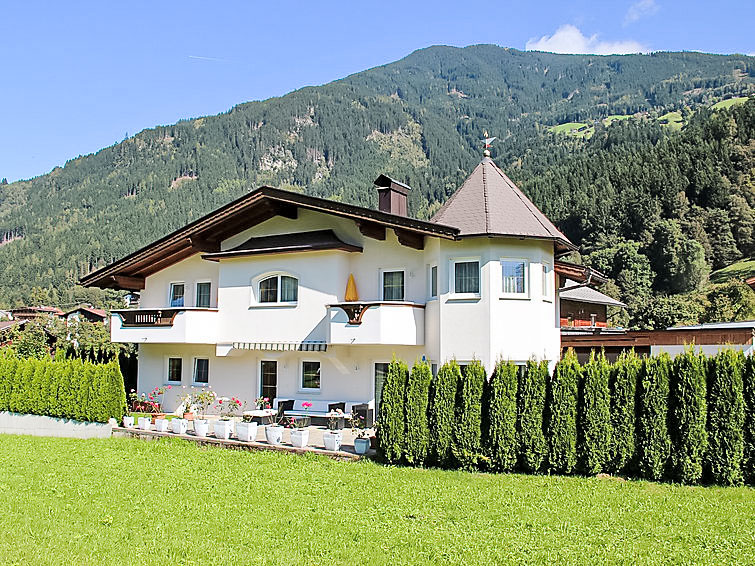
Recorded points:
(262, 416)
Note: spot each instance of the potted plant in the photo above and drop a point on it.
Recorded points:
(187, 405)
(179, 426)
(201, 427)
(332, 437)
(145, 423)
(223, 427)
(299, 429)
(274, 433)
(262, 403)
(202, 400)
(246, 430)
(361, 439)
(161, 424)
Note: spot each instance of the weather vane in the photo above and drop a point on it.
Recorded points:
(487, 141)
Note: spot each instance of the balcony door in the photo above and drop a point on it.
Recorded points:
(269, 379)
(381, 370)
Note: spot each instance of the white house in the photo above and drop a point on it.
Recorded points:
(252, 299)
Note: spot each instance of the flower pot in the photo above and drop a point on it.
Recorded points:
(361, 445)
(162, 425)
(188, 416)
(157, 416)
(300, 437)
(128, 422)
(223, 429)
(274, 434)
(201, 427)
(332, 440)
(145, 423)
(246, 432)
(179, 426)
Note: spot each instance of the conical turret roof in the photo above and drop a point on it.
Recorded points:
(490, 204)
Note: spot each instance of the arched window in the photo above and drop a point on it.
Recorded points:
(278, 289)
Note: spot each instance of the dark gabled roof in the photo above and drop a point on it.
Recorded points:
(87, 308)
(317, 240)
(490, 204)
(573, 291)
(206, 233)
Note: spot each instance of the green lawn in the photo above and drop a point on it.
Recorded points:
(128, 501)
(729, 102)
(573, 129)
(673, 120)
(739, 270)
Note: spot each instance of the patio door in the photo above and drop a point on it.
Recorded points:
(269, 379)
(381, 370)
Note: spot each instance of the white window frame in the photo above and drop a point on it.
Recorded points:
(196, 293)
(194, 371)
(453, 295)
(170, 294)
(385, 270)
(255, 289)
(311, 390)
(526, 294)
(430, 282)
(167, 380)
(548, 283)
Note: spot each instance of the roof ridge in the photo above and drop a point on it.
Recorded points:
(485, 198)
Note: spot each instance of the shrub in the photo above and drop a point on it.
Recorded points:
(653, 442)
(441, 412)
(466, 443)
(531, 445)
(499, 431)
(687, 417)
(8, 364)
(726, 417)
(748, 378)
(391, 418)
(562, 414)
(623, 385)
(417, 395)
(594, 423)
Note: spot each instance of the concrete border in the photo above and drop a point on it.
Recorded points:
(38, 425)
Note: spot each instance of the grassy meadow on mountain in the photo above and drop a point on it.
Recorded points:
(657, 188)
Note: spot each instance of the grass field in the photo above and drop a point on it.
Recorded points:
(129, 501)
(729, 102)
(739, 270)
(672, 120)
(578, 129)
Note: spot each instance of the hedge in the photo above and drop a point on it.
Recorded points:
(531, 445)
(562, 414)
(653, 442)
(442, 411)
(726, 417)
(748, 386)
(68, 389)
(417, 431)
(466, 441)
(499, 418)
(688, 408)
(594, 423)
(623, 389)
(391, 418)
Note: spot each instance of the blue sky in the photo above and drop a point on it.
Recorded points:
(79, 76)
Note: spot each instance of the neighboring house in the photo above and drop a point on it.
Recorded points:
(33, 313)
(584, 307)
(87, 312)
(291, 296)
(6, 327)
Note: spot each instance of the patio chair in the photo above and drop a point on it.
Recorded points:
(333, 407)
(283, 406)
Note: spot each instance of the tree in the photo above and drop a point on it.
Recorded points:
(623, 385)
(441, 412)
(678, 261)
(391, 429)
(561, 429)
(627, 266)
(731, 301)
(665, 311)
(688, 413)
(594, 409)
(531, 444)
(466, 444)
(499, 406)
(417, 431)
(653, 442)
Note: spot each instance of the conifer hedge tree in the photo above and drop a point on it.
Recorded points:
(623, 385)
(391, 428)
(687, 418)
(726, 415)
(499, 432)
(653, 442)
(594, 423)
(417, 396)
(466, 443)
(748, 436)
(561, 409)
(442, 411)
(531, 444)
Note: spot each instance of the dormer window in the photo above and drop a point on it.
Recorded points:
(278, 289)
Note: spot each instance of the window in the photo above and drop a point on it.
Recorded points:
(201, 370)
(466, 277)
(203, 294)
(547, 282)
(279, 289)
(514, 276)
(434, 281)
(176, 294)
(310, 375)
(269, 381)
(174, 370)
(393, 285)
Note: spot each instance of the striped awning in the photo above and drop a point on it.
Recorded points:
(306, 346)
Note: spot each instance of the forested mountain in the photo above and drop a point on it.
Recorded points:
(635, 190)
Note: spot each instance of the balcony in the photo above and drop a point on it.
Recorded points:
(396, 323)
(165, 326)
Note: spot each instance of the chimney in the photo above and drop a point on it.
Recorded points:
(392, 195)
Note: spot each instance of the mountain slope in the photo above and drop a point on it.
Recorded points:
(419, 119)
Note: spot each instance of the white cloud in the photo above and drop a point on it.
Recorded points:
(569, 39)
(640, 10)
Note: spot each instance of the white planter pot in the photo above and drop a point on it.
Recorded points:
(223, 429)
(201, 427)
(161, 425)
(128, 422)
(361, 445)
(145, 423)
(332, 440)
(300, 437)
(179, 426)
(246, 432)
(274, 434)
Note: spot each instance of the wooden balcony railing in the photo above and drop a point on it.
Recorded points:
(147, 317)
